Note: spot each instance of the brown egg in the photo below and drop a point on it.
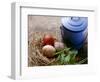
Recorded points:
(48, 51)
(48, 40)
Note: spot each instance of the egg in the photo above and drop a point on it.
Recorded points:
(59, 46)
(48, 40)
(48, 51)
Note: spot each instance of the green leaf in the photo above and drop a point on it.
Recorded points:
(70, 58)
(74, 54)
(58, 58)
(62, 58)
(62, 51)
(67, 59)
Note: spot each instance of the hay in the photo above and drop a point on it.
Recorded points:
(35, 56)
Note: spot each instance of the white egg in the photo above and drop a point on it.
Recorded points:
(59, 45)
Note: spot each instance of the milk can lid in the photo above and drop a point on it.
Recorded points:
(75, 23)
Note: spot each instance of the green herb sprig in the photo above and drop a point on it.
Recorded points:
(66, 56)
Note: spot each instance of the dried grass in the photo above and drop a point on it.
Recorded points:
(35, 56)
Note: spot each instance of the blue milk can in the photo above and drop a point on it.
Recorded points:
(74, 30)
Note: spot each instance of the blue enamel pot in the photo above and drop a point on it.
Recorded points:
(74, 30)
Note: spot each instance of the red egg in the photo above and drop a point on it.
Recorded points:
(48, 40)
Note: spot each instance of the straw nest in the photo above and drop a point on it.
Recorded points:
(35, 56)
